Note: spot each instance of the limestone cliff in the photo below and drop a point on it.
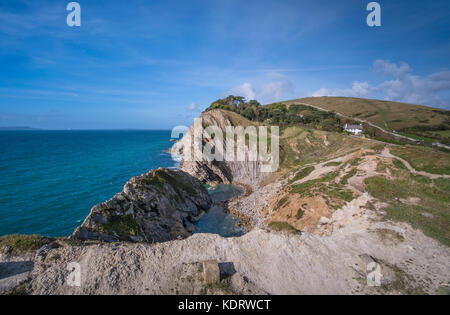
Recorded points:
(158, 206)
(248, 172)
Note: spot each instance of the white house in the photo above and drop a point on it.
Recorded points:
(355, 129)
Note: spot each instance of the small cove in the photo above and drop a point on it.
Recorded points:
(219, 220)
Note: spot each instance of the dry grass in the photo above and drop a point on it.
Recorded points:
(390, 115)
(300, 146)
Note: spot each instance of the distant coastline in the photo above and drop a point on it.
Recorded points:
(17, 128)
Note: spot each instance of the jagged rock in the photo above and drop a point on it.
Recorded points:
(158, 206)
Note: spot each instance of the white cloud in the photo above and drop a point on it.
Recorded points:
(274, 89)
(192, 107)
(246, 90)
(391, 69)
(279, 86)
(404, 87)
(358, 89)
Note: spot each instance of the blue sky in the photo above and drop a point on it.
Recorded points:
(156, 64)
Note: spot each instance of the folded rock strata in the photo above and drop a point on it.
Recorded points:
(247, 172)
(155, 207)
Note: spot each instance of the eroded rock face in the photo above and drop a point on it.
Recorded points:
(247, 172)
(155, 207)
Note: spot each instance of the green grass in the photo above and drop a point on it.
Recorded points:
(281, 203)
(433, 201)
(417, 137)
(23, 243)
(421, 179)
(337, 191)
(443, 290)
(70, 242)
(443, 184)
(355, 162)
(388, 140)
(19, 290)
(424, 159)
(344, 180)
(123, 225)
(333, 164)
(303, 173)
(160, 177)
(281, 226)
(224, 286)
(444, 133)
(418, 178)
(403, 282)
(399, 164)
(300, 188)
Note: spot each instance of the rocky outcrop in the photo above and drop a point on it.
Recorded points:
(158, 206)
(247, 172)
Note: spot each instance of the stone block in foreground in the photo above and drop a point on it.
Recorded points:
(211, 272)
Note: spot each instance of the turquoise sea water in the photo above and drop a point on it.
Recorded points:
(49, 180)
(217, 220)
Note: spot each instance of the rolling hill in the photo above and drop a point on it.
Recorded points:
(417, 121)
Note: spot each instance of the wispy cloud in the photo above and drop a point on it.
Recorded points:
(246, 90)
(403, 87)
(192, 107)
(358, 89)
(275, 87)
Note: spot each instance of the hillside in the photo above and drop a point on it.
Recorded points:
(413, 120)
(322, 171)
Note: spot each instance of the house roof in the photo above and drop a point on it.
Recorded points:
(348, 126)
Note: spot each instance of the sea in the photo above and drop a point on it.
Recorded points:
(49, 180)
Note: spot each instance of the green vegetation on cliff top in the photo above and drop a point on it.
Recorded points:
(279, 114)
(19, 244)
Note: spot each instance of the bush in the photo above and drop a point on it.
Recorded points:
(279, 113)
